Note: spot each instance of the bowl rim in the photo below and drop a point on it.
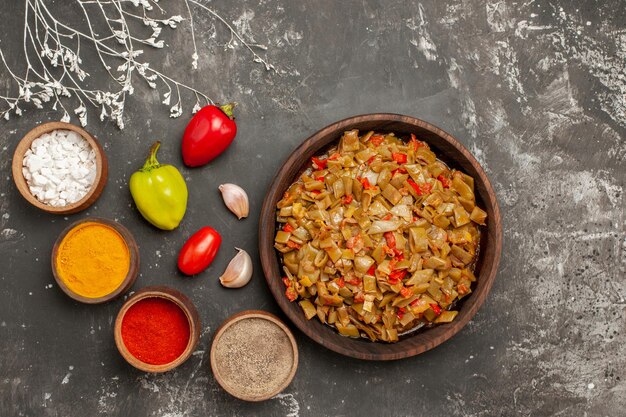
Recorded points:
(270, 262)
(243, 315)
(178, 298)
(22, 185)
(133, 270)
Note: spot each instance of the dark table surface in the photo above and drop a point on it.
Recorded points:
(536, 91)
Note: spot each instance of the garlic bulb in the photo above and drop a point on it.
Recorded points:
(235, 199)
(238, 272)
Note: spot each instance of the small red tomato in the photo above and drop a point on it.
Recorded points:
(208, 134)
(199, 251)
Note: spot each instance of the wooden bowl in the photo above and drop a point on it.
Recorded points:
(185, 304)
(449, 150)
(217, 372)
(101, 168)
(133, 271)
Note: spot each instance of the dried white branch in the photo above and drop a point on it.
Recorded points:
(54, 75)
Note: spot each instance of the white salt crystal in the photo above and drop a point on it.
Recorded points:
(75, 173)
(75, 138)
(83, 155)
(60, 167)
(41, 150)
(39, 179)
(67, 145)
(35, 163)
(55, 180)
(62, 163)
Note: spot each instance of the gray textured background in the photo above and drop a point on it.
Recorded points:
(535, 89)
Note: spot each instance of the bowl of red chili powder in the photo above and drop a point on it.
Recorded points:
(157, 329)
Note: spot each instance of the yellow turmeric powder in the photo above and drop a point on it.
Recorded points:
(93, 260)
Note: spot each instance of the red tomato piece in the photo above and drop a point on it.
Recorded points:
(420, 190)
(293, 245)
(291, 294)
(436, 309)
(406, 292)
(416, 143)
(319, 163)
(391, 239)
(376, 139)
(399, 157)
(354, 281)
(396, 276)
(444, 181)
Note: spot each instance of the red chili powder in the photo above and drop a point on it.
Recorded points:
(155, 330)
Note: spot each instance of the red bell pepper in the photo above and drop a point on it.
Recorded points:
(209, 132)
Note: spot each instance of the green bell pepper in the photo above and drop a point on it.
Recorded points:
(160, 192)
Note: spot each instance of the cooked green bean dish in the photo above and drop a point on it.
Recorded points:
(378, 237)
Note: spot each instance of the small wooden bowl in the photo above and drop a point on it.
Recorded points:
(181, 301)
(133, 271)
(101, 168)
(450, 151)
(248, 314)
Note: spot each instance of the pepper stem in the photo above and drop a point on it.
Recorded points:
(152, 161)
(228, 109)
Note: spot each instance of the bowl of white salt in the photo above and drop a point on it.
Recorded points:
(59, 168)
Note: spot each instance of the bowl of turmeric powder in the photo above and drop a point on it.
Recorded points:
(95, 260)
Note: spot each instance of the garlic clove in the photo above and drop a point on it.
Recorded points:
(238, 272)
(235, 199)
